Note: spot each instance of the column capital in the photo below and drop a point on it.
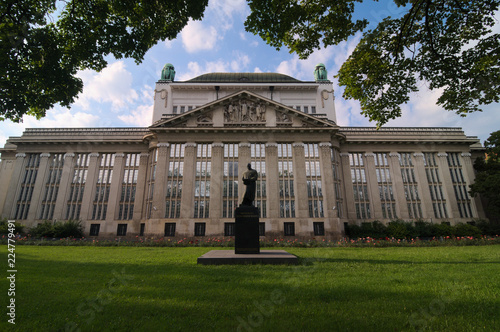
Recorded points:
(44, 155)
(325, 145)
(20, 155)
(271, 145)
(466, 155)
(394, 154)
(344, 154)
(69, 155)
(370, 154)
(119, 155)
(190, 145)
(418, 154)
(244, 145)
(442, 154)
(217, 145)
(162, 145)
(144, 155)
(298, 145)
(94, 154)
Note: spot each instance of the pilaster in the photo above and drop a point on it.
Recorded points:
(447, 183)
(329, 199)
(272, 180)
(115, 188)
(64, 186)
(398, 186)
(140, 189)
(423, 186)
(14, 186)
(300, 181)
(41, 180)
(216, 181)
(349, 192)
(371, 178)
(90, 185)
(187, 199)
(160, 181)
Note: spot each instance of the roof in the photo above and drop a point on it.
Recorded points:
(243, 77)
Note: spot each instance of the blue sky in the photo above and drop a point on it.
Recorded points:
(122, 94)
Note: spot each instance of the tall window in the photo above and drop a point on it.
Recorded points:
(385, 186)
(78, 185)
(49, 198)
(410, 185)
(459, 185)
(359, 186)
(27, 185)
(285, 168)
(230, 180)
(202, 181)
(151, 182)
(258, 154)
(129, 184)
(435, 185)
(103, 185)
(174, 181)
(337, 181)
(313, 175)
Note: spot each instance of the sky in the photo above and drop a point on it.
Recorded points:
(121, 95)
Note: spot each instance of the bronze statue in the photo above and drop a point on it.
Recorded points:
(249, 180)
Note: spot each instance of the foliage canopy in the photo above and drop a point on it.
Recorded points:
(449, 44)
(40, 56)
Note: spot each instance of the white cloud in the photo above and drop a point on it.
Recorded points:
(257, 70)
(240, 63)
(113, 84)
(198, 37)
(141, 116)
(223, 11)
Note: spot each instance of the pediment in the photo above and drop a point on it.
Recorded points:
(243, 109)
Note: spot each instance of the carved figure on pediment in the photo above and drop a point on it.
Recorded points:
(244, 110)
(282, 117)
(261, 112)
(229, 113)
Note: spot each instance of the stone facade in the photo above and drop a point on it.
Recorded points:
(181, 176)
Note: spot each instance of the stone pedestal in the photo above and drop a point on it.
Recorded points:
(247, 230)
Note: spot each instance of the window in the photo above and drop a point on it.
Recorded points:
(174, 110)
(359, 186)
(141, 231)
(199, 229)
(459, 185)
(174, 181)
(170, 229)
(151, 182)
(202, 181)
(289, 228)
(435, 185)
(103, 186)
(129, 184)
(258, 155)
(335, 156)
(230, 180)
(229, 228)
(385, 186)
(313, 109)
(94, 229)
(410, 185)
(319, 228)
(183, 109)
(306, 109)
(285, 168)
(52, 186)
(32, 163)
(313, 176)
(121, 230)
(77, 185)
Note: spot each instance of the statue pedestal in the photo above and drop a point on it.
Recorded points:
(247, 230)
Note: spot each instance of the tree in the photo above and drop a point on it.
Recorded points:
(487, 181)
(448, 44)
(40, 55)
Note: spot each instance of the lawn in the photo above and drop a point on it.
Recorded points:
(333, 289)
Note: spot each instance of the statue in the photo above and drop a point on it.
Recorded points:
(320, 73)
(168, 72)
(249, 179)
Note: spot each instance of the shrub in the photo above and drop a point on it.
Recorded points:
(4, 227)
(400, 229)
(70, 228)
(423, 229)
(487, 227)
(442, 229)
(44, 229)
(462, 230)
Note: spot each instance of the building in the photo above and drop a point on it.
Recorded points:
(181, 176)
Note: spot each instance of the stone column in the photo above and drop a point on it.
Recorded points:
(160, 181)
(64, 186)
(468, 172)
(398, 186)
(423, 186)
(244, 157)
(349, 192)
(329, 199)
(90, 185)
(9, 208)
(41, 180)
(187, 199)
(371, 178)
(115, 188)
(141, 186)
(272, 181)
(216, 180)
(451, 200)
(300, 181)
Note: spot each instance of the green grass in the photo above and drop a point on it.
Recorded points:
(333, 289)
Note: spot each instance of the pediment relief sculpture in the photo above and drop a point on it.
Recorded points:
(282, 117)
(244, 111)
